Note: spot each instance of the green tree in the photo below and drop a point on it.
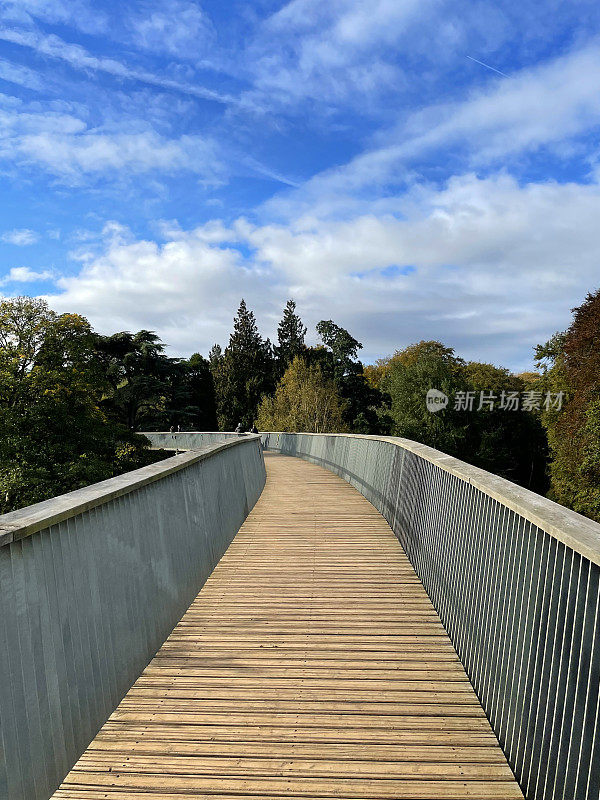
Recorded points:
(408, 375)
(338, 358)
(215, 356)
(191, 401)
(342, 349)
(290, 338)
(138, 373)
(184, 398)
(54, 436)
(511, 443)
(305, 400)
(570, 362)
(243, 373)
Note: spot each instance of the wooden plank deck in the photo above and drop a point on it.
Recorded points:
(312, 664)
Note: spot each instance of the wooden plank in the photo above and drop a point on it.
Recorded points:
(118, 732)
(321, 750)
(176, 764)
(297, 786)
(306, 720)
(312, 664)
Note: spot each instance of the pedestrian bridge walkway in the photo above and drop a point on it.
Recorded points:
(311, 664)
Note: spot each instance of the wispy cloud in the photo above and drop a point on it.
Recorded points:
(70, 157)
(337, 52)
(79, 58)
(81, 14)
(35, 136)
(20, 237)
(384, 156)
(20, 75)
(539, 107)
(177, 27)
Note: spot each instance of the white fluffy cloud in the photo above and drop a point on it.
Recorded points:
(186, 289)
(526, 256)
(26, 275)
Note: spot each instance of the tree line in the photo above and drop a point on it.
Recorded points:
(72, 401)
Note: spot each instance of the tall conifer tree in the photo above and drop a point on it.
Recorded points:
(244, 373)
(290, 337)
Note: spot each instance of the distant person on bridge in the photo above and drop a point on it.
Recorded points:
(239, 428)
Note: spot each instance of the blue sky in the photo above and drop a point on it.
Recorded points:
(159, 160)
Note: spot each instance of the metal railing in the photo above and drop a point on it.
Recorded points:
(91, 584)
(515, 580)
(189, 440)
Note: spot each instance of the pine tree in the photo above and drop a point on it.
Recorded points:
(290, 336)
(245, 337)
(244, 373)
(215, 355)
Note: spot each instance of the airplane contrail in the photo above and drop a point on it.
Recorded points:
(487, 66)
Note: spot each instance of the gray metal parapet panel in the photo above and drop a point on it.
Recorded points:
(89, 598)
(189, 440)
(515, 579)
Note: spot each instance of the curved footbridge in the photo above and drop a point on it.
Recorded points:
(377, 620)
(311, 664)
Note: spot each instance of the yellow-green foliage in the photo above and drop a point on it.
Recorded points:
(305, 400)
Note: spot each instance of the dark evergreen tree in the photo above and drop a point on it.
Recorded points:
(140, 375)
(201, 408)
(188, 398)
(244, 373)
(215, 355)
(290, 337)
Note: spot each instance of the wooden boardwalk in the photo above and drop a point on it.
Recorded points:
(312, 664)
